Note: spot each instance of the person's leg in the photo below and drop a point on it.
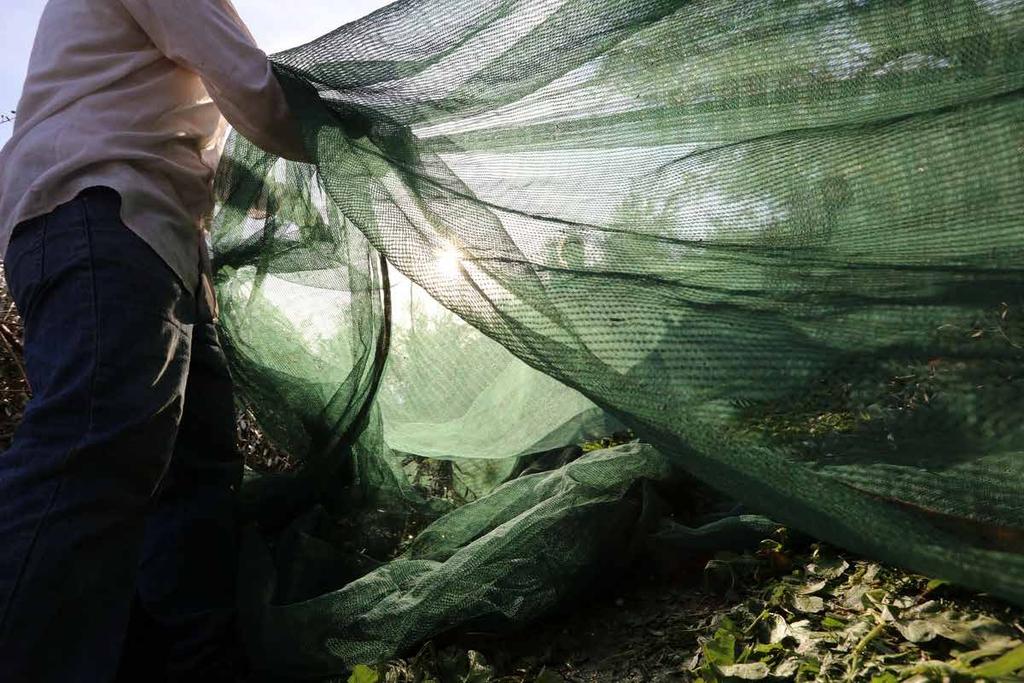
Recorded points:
(183, 619)
(108, 331)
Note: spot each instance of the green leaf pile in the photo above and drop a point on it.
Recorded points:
(833, 620)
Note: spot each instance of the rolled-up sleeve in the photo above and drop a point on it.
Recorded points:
(209, 38)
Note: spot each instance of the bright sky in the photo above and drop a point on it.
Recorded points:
(276, 24)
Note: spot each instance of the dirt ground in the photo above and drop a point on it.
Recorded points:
(640, 630)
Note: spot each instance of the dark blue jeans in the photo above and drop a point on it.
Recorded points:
(117, 498)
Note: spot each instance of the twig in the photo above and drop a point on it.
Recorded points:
(862, 644)
(868, 637)
(15, 349)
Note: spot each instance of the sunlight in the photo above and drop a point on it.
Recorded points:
(449, 261)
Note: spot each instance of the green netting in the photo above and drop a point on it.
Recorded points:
(779, 241)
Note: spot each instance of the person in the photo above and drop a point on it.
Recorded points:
(117, 495)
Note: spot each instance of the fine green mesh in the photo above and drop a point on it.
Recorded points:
(779, 241)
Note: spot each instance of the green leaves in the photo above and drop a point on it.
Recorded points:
(1010, 663)
(721, 648)
(751, 671)
(808, 603)
(363, 674)
(887, 677)
(834, 620)
(875, 624)
(930, 620)
(827, 567)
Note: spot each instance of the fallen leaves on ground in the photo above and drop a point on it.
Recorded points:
(833, 620)
(817, 616)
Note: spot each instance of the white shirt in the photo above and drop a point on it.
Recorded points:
(129, 94)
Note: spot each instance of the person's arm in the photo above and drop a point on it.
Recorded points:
(209, 38)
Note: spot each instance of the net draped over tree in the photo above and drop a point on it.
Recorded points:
(779, 241)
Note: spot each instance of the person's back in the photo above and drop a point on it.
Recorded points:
(102, 102)
(119, 486)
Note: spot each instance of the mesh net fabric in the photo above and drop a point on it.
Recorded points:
(779, 241)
